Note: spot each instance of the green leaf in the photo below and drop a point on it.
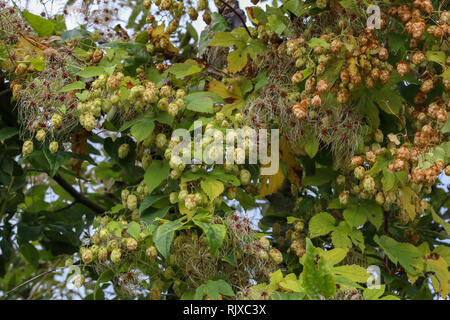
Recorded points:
(77, 85)
(225, 177)
(224, 288)
(134, 229)
(37, 64)
(278, 295)
(82, 96)
(30, 253)
(441, 221)
(223, 39)
(276, 276)
(90, 72)
(321, 224)
(316, 42)
(164, 118)
(408, 197)
(192, 32)
(115, 227)
(400, 252)
(142, 128)
(75, 34)
(199, 292)
(212, 187)
(106, 276)
(446, 74)
(446, 127)
(332, 73)
(312, 146)
(237, 60)
(181, 70)
(348, 4)
(373, 212)
(212, 291)
(352, 272)
(275, 23)
(214, 288)
(42, 26)
(317, 277)
(340, 238)
(215, 234)
(357, 215)
(219, 24)
(261, 80)
(7, 132)
(295, 6)
(151, 214)
(56, 160)
(202, 101)
(334, 256)
(290, 282)
(354, 216)
(163, 236)
(149, 201)
(388, 181)
(344, 235)
(156, 173)
(374, 293)
(320, 177)
(444, 252)
(396, 41)
(436, 56)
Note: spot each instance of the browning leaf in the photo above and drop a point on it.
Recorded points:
(79, 146)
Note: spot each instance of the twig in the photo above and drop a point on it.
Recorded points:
(239, 16)
(33, 291)
(5, 199)
(66, 207)
(78, 196)
(31, 280)
(399, 119)
(385, 263)
(199, 60)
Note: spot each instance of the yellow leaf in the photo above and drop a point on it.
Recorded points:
(408, 197)
(352, 272)
(172, 48)
(412, 278)
(160, 32)
(424, 251)
(24, 47)
(229, 108)
(271, 184)
(250, 14)
(184, 211)
(221, 89)
(233, 98)
(293, 168)
(291, 283)
(439, 274)
(334, 256)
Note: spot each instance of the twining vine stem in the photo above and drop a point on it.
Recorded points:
(78, 196)
(239, 16)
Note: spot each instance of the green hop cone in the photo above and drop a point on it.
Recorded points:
(27, 147)
(53, 147)
(116, 254)
(123, 151)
